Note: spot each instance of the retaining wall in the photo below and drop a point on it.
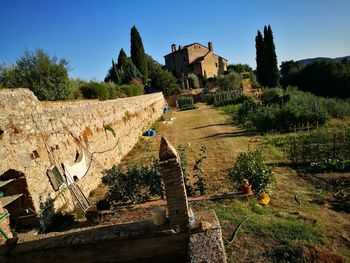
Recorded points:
(35, 135)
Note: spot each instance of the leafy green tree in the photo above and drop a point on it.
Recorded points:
(230, 81)
(289, 73)
(260, 71)
(165, 81)
(152, 65)
(46, 76)
(7, 76)
(270, 59)
(239, 68)
(137, 51)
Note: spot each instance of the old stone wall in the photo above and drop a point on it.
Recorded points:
(35, 135)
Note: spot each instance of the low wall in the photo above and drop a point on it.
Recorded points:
(131, 242)
(35, 135)
(134, 242)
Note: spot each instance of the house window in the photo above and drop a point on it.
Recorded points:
(216, 64)
(183, 59)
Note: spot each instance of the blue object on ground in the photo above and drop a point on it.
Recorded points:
(149, 133)
(165, 109)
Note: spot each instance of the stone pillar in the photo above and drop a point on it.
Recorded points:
(170, 168)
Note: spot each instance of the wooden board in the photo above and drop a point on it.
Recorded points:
(9, 199)
(2, 183)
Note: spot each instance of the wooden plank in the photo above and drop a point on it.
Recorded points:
(9, 199)
(3, 183)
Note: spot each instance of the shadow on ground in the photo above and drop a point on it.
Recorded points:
(230, 134)
(212, 125)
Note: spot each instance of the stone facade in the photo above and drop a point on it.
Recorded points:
(36, 135)
(197, 59)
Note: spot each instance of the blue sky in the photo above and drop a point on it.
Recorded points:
(90, 33)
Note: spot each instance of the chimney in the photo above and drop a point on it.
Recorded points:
(173, 48)
(210, 46)
(180, 47)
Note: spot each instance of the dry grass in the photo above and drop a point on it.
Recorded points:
(194, 128)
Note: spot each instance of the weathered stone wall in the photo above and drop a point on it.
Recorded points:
(37, 135)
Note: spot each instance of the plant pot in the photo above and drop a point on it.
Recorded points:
(247, 190)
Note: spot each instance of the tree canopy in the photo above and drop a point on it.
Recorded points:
(329, 79)
(46, 76)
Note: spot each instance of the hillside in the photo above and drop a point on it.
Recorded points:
(307, 61)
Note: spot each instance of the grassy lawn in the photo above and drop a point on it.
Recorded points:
(283, 231)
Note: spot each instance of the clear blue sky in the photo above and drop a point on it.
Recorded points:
(90, 33)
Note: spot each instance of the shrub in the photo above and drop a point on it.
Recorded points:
(132, 90)
(230, 81)
(246, 110)
(336, 108)
(185, 103)
(274, 96)
(200, 184)
(283, 118)
(194, 81)
(135, 185)
(251, 166)
(95, 90)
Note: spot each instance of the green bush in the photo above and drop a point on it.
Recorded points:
(283, 118)
(95, 90)
(194, 81)
(246, 110)
(251, 166)
(139, 183)
(231, 81)
(132, 90)
(336, 108)
(185, 103)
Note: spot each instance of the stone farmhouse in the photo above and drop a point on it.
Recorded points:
(195, 58)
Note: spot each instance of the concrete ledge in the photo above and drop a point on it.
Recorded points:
(207, 246)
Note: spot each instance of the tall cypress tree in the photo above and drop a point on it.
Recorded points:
(122, 59)
(270, 59)
(138, 55)
(259, 45)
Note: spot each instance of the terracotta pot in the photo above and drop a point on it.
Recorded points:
(247, 190)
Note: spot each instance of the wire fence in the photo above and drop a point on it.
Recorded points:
(307, 146)
(223, 98)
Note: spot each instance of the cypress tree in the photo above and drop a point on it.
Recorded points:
(270, 59)
(122, 59)
(114, 74)
(138, 55)
(259, 45)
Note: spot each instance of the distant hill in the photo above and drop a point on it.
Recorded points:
(307, 61)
